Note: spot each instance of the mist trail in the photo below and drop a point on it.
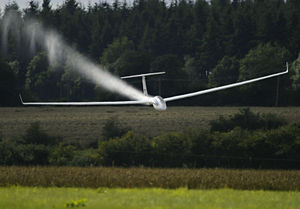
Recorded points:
(59, 51)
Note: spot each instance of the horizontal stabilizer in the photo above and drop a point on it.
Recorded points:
(143, 75)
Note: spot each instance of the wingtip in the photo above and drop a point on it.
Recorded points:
(21, 99)
(287, 67)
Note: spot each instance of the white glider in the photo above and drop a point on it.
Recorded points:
(158, 102)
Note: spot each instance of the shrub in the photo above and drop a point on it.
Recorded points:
(129, 150)
(227, 143)
(35, 135)
(246, 119)
(15, 153)
(34, 154)
(275, 148)
(172, 149)
(62, 154)
(86, 158)
(9, 153)
(112, 129)
(282, 143)
(36, 146)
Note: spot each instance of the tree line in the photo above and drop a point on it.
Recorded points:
(243, 140)
(200, 44)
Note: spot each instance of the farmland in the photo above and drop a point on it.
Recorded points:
(100, 187)
(84, 124)
(103, 187)
(95, 177)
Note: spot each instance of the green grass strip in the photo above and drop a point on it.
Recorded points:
(34, 197)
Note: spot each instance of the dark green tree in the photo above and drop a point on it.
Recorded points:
(174, 77)
(296, 74)
(131, 63)
(295, 70)
(211, 49)
(226, 72)
(293, 25)
(46, 14)
(7, 85)
(258, 63)
(115, 50)
(32, 11)
(36, 75)
(244, 29)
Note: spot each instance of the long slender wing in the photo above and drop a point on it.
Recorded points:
(224, 87)
(81, 103)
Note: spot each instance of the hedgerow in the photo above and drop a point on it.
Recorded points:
(244, 140)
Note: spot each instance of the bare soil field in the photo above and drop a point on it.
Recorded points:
(84, 124)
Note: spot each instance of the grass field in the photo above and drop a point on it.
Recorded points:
(84, 124)
(46, 198)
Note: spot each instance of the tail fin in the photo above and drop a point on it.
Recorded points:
(143, 79)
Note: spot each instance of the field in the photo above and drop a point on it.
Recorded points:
(100, 187)
(95, 177)
(84, 124)
(30, 198)
(68, 187)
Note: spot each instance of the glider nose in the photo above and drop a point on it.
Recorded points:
(159, 103)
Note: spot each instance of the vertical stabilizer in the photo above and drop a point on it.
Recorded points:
(144, 86)
(143, 79)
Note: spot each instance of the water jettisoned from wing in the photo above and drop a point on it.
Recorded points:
(58, 50)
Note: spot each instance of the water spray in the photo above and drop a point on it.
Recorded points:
(58, 50)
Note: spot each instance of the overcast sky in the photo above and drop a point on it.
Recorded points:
(24, 3)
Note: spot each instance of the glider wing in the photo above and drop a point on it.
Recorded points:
(82, 103)
(206, 91)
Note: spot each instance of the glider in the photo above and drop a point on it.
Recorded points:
(157, 102)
